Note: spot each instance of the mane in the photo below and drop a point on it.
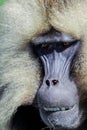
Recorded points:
(68, 15)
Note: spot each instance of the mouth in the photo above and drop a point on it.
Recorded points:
(55, 109)
(64, 116)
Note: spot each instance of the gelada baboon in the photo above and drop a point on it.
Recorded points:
(43, 62)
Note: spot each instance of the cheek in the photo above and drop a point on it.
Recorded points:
(79, 68)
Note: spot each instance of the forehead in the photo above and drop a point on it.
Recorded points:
(69, 16)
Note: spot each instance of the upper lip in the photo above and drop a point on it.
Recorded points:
(56, 108)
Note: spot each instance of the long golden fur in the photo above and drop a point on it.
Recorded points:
(21, 21)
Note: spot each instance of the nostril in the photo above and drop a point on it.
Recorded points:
(47, 82)
(54, 81)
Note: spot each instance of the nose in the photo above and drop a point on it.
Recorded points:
(48, 83)
(54, 82)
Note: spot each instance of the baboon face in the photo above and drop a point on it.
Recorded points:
(43, 57)
(62, 94)
(58, 98)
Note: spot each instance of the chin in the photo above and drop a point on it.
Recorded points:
(69, 118)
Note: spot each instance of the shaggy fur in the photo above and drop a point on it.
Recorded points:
(20, 22)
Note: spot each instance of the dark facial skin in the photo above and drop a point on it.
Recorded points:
(58, 96)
